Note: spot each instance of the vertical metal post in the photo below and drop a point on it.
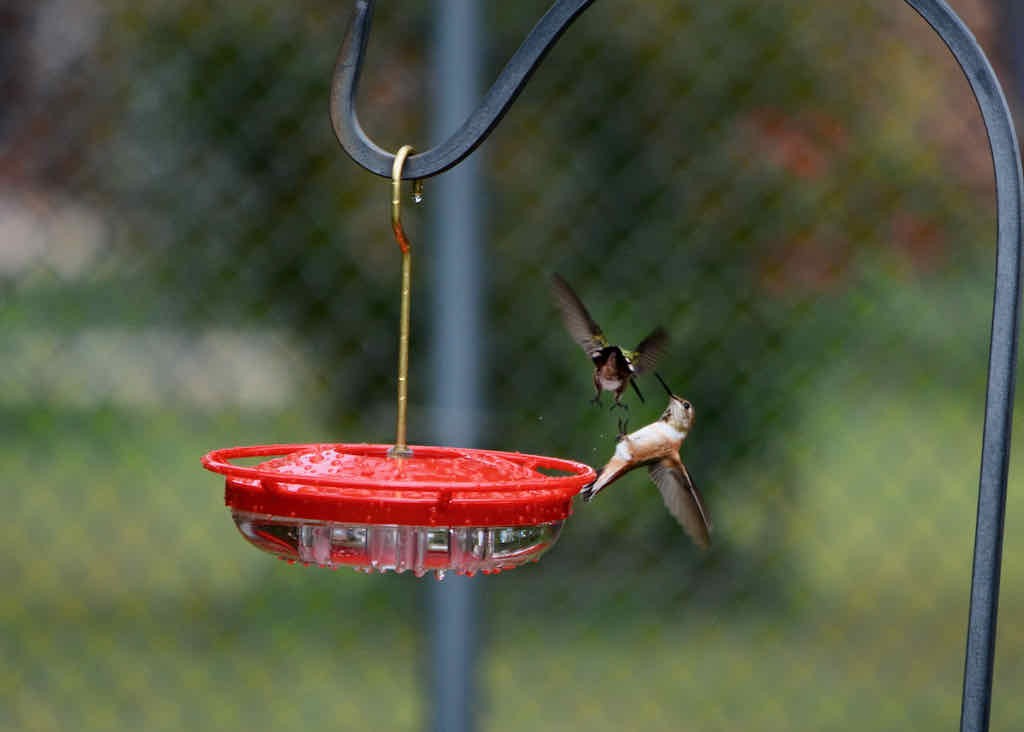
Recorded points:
(455, 258)
(995, 444)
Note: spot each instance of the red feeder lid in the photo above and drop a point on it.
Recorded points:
(436, 486)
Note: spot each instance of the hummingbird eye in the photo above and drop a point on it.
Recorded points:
(686, 405)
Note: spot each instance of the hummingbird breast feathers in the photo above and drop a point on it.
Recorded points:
(652, 441)
(608, 382)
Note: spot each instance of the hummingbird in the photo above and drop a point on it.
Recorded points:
(657, 446)
(614, 367)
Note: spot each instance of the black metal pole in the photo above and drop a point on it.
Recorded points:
(995, 451)
(455, 257)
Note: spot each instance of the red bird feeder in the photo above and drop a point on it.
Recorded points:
(440, 509)
(381, 507)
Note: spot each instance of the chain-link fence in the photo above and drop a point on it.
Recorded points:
(799, 193)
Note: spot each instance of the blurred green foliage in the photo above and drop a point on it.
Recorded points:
(772, 183)
(646, 126)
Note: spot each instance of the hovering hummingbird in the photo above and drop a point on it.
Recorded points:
(657, 446)
(614, 367)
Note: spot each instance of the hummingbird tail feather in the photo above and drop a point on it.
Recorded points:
(590, 490)
(611, 472)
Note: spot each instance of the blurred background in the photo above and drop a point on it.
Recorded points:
(800, 193)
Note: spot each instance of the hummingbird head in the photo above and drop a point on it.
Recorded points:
(679, 413)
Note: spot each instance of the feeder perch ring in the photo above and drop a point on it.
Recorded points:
(442, 509)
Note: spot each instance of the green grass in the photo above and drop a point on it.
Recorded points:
(131, 602)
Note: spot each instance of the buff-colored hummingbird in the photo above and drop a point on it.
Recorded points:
(657, 446)
(615, 368)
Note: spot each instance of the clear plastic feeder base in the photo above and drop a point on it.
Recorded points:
(417, 549)
(440, 509)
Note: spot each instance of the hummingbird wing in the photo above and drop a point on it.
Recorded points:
(577, 320)
(647, 353)
(682, 499)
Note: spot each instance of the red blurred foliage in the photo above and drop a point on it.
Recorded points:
(921, 240)
(802, 144)
(810, 262)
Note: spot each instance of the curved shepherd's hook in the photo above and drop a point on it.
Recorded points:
(474, 130)
(1003, 348)
(1002, 360)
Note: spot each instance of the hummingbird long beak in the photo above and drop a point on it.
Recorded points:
(664, 385)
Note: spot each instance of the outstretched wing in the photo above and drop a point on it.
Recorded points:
(577, 320)
(646, 354)
(682, 499)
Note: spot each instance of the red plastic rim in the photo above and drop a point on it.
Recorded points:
(436, 486)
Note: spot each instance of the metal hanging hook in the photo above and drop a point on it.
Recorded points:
(400, 448)
(511, 80)
(396, 196)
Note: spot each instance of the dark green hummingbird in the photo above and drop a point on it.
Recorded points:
(615, 368)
